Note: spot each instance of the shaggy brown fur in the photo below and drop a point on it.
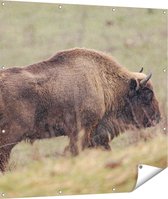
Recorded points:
(75, 90)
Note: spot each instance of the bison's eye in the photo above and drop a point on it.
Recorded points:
(146, 96)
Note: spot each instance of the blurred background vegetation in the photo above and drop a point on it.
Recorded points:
(31, 32)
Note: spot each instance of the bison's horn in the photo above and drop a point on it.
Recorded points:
(144, 81)
(141, 70)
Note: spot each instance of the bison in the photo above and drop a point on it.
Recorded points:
(74, 91)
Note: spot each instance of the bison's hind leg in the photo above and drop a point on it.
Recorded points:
(4, 158)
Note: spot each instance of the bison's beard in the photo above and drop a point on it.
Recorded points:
(111, 126)
(107, 129)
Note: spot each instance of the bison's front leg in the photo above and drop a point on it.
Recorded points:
(107, 129)
(73, 146)
(101, 140)
(91, 122)
(103, 134)
(87, 140)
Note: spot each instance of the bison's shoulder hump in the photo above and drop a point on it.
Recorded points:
(71, 54)
(74, 53)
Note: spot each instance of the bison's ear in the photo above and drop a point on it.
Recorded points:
(133, 84)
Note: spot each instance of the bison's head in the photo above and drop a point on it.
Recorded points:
(141, 106)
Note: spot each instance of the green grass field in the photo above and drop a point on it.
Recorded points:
(136, 38)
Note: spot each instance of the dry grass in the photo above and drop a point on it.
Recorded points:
(93, 171)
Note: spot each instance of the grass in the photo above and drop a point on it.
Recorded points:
(93, 171)
(136, 37)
